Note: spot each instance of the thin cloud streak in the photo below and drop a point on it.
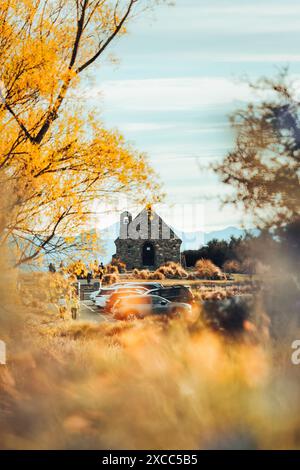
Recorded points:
(172, 93)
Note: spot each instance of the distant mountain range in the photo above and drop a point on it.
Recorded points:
(190, 240)
(194, 240)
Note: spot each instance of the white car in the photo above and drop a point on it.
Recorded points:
(101, 291)
(94, 294)
(140, 306)
(103, 295)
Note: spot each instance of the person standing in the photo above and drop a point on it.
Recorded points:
(52, 268)
(89, 277)
(74, 306)
(100, 273)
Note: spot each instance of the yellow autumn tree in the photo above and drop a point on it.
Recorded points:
(56, 158)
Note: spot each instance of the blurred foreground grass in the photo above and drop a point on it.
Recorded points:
(148, 384)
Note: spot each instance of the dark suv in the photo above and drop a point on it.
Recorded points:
(175, 293)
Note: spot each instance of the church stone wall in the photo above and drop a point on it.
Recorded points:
(130, 252)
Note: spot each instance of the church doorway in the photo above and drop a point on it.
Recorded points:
(148, 254)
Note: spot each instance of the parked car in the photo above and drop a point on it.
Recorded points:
(121, 293)
(102, 298)
(175, 293)
(140, 306)
(102, 290)
(94, 294)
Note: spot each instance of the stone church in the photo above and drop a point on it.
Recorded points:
(146, 241)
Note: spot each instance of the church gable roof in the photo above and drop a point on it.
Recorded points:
(149, 225)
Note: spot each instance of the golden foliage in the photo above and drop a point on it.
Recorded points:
(54, 152)
(77, 268)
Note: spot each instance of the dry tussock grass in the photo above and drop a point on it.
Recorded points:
(232, 266)
(169, 270)
(219, 293)
(141, 274)
(121, 267)
(172, 270)
(109, 279)
(206, 269)
(111, 269)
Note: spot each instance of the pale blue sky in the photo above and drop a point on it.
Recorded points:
(180, 75)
